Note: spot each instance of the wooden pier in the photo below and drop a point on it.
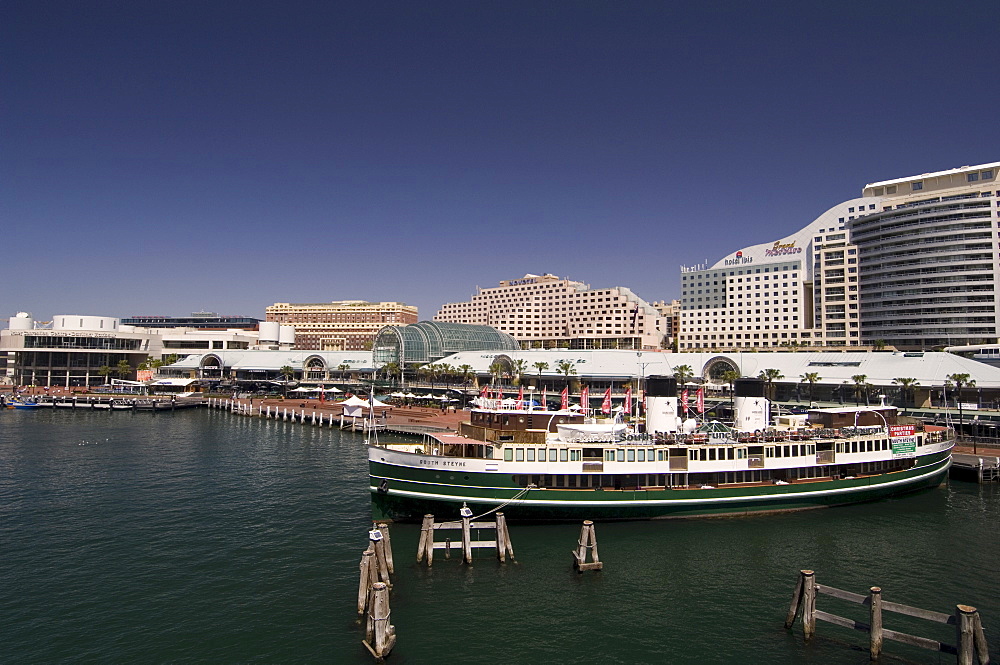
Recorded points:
(587, 543)
(970, 638)
(427, 544)
(373, 593)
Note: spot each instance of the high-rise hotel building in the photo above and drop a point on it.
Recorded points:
(545, 311)
(913, 264)
(801, 289)
(930, 259)
(348, 325)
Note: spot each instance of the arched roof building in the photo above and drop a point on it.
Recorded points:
(429, 341)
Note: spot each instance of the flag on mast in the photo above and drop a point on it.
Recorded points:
(564, 404)
(544, 399)
(628, 400)
(701, 400)
(684, 402)
(520, 396)
(606, 404)
(322, 393)
(585, 399)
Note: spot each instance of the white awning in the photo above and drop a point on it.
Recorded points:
(174, 382)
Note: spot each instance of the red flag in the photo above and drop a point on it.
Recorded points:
(564, 404)
(684, 401)
(545, 397)
(585, 399)
(701, 400)
(606, 404)
(484, 392)
(322, 394)
(520, 396)
(628, 400)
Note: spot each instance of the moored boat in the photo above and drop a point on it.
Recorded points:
(558, 465)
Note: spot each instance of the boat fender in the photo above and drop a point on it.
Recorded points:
(383, 487)
(757, 433)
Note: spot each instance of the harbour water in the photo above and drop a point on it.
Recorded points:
(209, 537)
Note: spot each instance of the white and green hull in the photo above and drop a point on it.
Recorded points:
(407, 485)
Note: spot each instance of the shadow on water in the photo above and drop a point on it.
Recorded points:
(205, 536)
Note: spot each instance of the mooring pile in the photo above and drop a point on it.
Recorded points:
(373, 592)
(969, 636)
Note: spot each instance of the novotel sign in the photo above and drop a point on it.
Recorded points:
(518, 282)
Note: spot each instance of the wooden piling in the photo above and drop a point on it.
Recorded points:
(875, 621)
(466, 539)
(808, 603)
(366, 578)
(587, 543)
(384, 529)
(426, 545)
(796, 601)
(382, 566)
(504, 546)
(965, 622)
(380, 635)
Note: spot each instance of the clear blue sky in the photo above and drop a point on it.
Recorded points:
(172, 156)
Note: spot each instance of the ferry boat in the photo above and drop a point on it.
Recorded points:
(558, 465)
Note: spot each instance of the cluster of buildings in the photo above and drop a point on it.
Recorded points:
(912, 264)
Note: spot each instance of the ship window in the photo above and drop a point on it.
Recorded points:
(693, 455)
(651, 452)
(575, 455)
(661, 455)
(631, 455)
(563, 455)
(609, 456)
(531, 454)
(741, 453)
(795, 451)
(711, 454)
(642, 455)
(552, 454)
(508, 455)
(541, 454)
(621, 456)
(519, 455)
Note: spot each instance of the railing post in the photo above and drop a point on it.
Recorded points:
(808, 603)
(875, 598)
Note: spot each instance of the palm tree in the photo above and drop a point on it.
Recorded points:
(859, 381)
(105, 371)
(390, 369)
(682, 373)
(123, 369)
(541, 367)
(465, 372)
(565, 367)
(496, 369)
(287, 371)
(518, 368)
(962, 381)
(812, 378)
(729, 377)
(907, 386)
(769, 376)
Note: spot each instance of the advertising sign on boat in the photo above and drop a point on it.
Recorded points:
(904, 440)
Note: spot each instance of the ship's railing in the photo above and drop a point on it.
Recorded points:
(781, 436)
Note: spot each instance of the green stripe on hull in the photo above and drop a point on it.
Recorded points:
(408, 498)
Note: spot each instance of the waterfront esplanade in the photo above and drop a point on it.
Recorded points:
(430, 341)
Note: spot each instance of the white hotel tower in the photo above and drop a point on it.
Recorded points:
(930, 259)
(913, 264)
(801, 289)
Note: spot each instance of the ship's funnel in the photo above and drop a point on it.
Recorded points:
(661, 404)
(752, 406)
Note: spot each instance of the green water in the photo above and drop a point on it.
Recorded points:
(208, 537)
